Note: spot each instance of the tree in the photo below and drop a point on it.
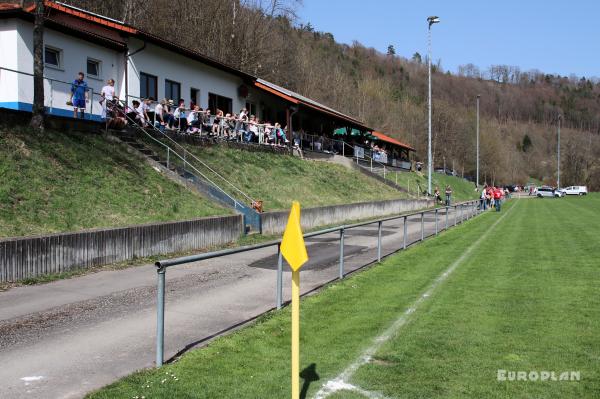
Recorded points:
(526, 145)
(417, 58)
(391, 51)
(38, 111)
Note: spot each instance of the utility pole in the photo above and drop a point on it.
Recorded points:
(430, 20)
(558, 153)
(477, 179)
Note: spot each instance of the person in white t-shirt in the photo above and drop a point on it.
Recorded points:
(107, 94)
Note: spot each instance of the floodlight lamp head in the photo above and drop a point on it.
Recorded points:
(433, 20)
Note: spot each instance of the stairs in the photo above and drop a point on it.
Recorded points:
(171, 160)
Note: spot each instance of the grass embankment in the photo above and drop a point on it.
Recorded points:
(525, 299)
(278, 179)
(416, 183)
(55, 182)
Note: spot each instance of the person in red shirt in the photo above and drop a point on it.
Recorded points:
(498, 198)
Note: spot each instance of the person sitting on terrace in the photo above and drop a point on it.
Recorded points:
(149, 113)
(318, 145)
(170, 109)
(280, 138)
(268, 128)
(115, 116)
(231, 123)
(216, 122)
(159, 112)
(179, 115)
(135, 114)
(193, 120)
(205, 119)
(252, 129)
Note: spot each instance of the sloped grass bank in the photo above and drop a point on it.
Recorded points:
(56, 182)
(278, 179)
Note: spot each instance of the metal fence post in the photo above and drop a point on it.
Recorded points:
(279, 277)
(455, 214)
(160, 317)
(405, 231)
(436, 221)
(446, 227)
(422, 226)
(341, 253)
(461, 213)
(168, 156)
(379, 242)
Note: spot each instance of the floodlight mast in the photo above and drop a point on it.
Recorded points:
(430, 20)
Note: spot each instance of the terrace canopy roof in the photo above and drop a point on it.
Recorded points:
(388, 139)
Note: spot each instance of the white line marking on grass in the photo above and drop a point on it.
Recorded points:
(341, 383)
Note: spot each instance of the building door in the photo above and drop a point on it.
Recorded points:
(194, 96)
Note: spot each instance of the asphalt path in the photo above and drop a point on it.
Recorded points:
(69, 337)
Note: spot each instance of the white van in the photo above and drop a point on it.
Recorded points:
(575, 190)
(548, 192)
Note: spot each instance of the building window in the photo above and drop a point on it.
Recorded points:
(148, 86)
(93, 68)
(194, 94)
(251, 108)
(53, 57)
(216, 101)
(172, 90)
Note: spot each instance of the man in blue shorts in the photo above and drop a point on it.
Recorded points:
(79, 95)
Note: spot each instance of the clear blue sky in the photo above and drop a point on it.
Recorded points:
(554, 36)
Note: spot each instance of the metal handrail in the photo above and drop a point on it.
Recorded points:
(194, 258)
(185, 162)
(162, 266)
(377, 162)
(185, 151)
(51, 80)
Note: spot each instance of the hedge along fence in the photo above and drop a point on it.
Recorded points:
(274, 222)
(26, 257)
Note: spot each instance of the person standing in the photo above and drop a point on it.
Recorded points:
(448, 195)
(498, 198)
(79, 95)
(483, 198)
(437, 196)
(106, 95)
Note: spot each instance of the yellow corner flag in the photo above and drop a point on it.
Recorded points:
(292, 244)
(294, 251)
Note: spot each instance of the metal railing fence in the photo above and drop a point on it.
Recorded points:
(58, 93)
(462, 211)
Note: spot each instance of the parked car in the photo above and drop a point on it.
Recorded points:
(548, 192)
(574, 190)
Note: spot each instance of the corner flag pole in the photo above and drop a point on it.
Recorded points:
(293, 250)
(295, 334)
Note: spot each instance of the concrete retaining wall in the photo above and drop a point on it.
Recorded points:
(274, 222)
(33, 256)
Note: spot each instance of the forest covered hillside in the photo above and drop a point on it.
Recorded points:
(519, 109)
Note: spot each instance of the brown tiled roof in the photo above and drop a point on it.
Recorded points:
(86, 26)
(392, 140)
